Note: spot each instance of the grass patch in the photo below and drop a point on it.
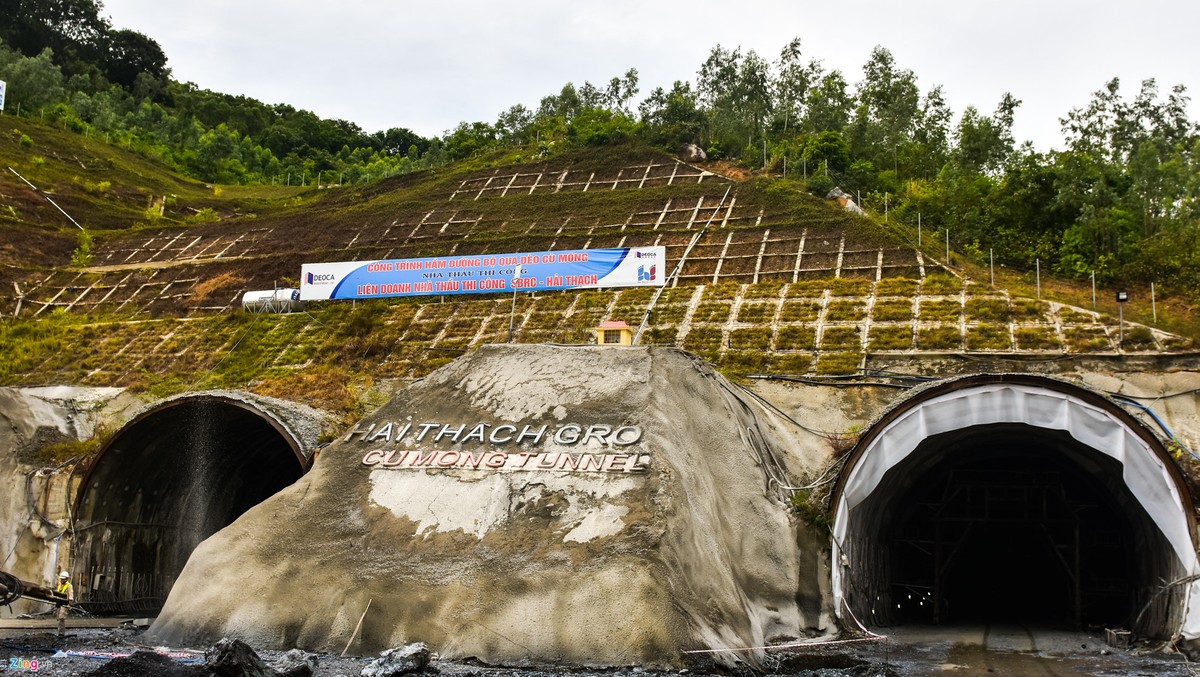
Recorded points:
(750, 338)
(809, 289)
(800, 311)
(896, 286)
(796, 338)
(989, 309)
(939, 338)
(744, 362)
(713, 311)
(1138, 338)
(763, 290)
(797, 363)
(939, 284)
(671, 314)
(703, 340)
(890, 338)
(841, 338)
(845, 311)
(660, 336)
(892, 310)
(1087, 339)
(850, 286)
(756, 312)
(1071, 316)
(1036, 338)
(838, 364)
(941, 310)
(724, 290)
(1028, 310)
(988, 337)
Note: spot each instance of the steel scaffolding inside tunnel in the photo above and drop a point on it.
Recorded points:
(1013, 498)
(170, 478)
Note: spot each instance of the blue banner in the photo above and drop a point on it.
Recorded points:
(484, 273)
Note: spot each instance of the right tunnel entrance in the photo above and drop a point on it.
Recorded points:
(1009, 500)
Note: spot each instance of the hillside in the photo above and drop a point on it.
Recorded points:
(778, 282)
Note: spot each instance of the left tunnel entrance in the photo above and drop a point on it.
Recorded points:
(170, 478)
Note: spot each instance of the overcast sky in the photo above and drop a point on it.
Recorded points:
(428, 66)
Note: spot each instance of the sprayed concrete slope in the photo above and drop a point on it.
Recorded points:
(518, 565)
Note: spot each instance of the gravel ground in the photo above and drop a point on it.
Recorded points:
(962, 651)
(90, 652)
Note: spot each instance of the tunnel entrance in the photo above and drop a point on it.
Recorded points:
(1008, 523)
(170, 478)
(1009, 500)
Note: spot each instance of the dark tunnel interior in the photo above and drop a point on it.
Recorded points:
(1008, 523)
(167, 481)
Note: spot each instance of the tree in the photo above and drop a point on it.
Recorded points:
(513, 125)
(828, 104)
(130, 54)
(672, 118)
(986, 143)
(71, 29)
(888, 104)
(32, 81)
(792, 82)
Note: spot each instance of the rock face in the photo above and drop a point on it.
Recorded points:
(575, 505)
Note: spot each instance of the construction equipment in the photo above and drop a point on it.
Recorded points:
(13, 588)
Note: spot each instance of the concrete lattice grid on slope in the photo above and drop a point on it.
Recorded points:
(153, 274)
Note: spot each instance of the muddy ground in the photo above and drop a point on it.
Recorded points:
(960, 651)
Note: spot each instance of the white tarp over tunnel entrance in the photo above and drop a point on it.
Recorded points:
(1050, 406)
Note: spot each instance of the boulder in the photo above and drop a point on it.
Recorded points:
(402, 661)
(296, 663)
(574, 505)
(690, 152)
(235, 658)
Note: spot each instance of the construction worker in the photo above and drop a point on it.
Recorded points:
(67, 591)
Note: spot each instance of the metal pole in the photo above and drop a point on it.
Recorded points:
(992, 265)
(1038, 263)
(1093, 290)
(1153, 303)
(947, 246)
(918, 229)
(885, 207)
(512, 315)
(1121, 325)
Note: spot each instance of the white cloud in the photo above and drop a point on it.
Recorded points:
(428, 66)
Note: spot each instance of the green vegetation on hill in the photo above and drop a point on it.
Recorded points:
(1119, 200)
(185, 200)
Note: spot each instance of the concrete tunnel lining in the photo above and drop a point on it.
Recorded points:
(1150, 477)
(173, 475)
